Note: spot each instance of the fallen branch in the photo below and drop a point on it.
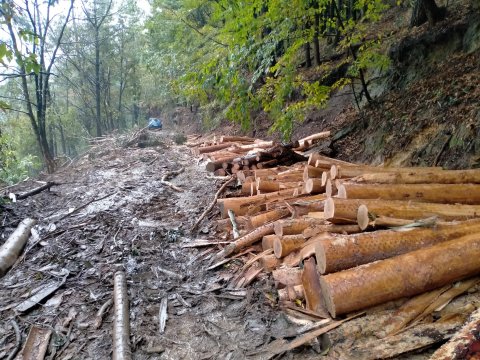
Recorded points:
(210, 207)
(121, 323)
(162, 314)
(18, 340)
(85, 205)
(170, 175)
(11, 249)
(100, 313)
(36, 191)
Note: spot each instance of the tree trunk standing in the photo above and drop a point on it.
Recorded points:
(339, 21)
(308, 58)
(316, 43)
(98, 114)
(424, 10)
(62, 139)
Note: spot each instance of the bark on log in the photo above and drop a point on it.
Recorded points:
(312, 172)
(311, 286)
(347, 251)
(330, 228)
(348, 209)
(269, 216)
(288, 276)
(464, 343)
(402, 276)
(211, 148)
(287, 244)
(435, 193)
(345, 171)
(121, 323)
(294, 226)
(247, 240)
(435, 177)
(11, 249)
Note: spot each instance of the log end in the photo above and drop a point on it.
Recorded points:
(362, 217)
(277, 248)
(327, 297)
(329, 188)
(333, 172)
(342, 192)
(308, 186)
(278, 228)
(324, 178)
(329, 208)
(321, 257)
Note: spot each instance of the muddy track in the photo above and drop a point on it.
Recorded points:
(139, 226)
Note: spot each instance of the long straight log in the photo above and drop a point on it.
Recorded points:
(348, 208)
(312, 172)
(294, 226)
(121, 322)
(287, 244)
(269, 216)
(247, 240)
(313, 157)
(347, 251)
(436, 193)
(11, 249)
(401, 276)
(211, 148)
(345, 171)
(435, 177)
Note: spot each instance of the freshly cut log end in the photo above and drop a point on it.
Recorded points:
(287, 244)
(341, 192)
(267, 241)
(325, 177)
(362, 217)
(333, 172)
(314, 186)
(329, 208)
(320, 256)
(311, 286)
(329, 188)
(401, 276)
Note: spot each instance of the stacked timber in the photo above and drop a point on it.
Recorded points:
(231, 154)
(340, 237)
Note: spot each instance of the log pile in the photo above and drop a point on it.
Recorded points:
(342, 237)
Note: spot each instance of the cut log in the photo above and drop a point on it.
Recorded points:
(347, 251)
(36, 191)
(270, 262)
(267, 241)
(291, 293)
(435, 193)
(401, 276)
(314, 186)
(266, 186)
(269, 216)
(288, 276)
(311, 286)
(287, 244)
(211, 148)
(338, 171)
(11, 249)
(330, 228)
(294, 226)
(348, 209)
(121, 322)
(312, 160)
(434, 177)
(247, 240)
(464, 344)
(217, 164)
(312, 172)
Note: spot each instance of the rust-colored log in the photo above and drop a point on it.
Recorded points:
(270, 262)
(312, 160)
(435, 193)
(288, 276)
(267, 241)
(247, 240)
(348, 208)
(291, 293)
(287, 244)
(312, 172)
(401, 276)
(294, 226)
(338, 171)
(266, 186)
(311, 286)
(347, 251)
(330, 228)
(266, 217)
(314, 186)
(433, 177)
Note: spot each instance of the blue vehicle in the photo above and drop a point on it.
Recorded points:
(154, 123)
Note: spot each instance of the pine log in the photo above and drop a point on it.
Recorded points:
(312, 160)
(348, 209)
(266, 217)
(211, 148)
(217, 164)
(121, 323)
(288, 276)
(267, 241)
(294, 226)
(312, 172)
(287, 244)
(12, 247)
(314, 186)
(270, 262)
(330, 228)
(433, 177)
(247, 240)
(345, 171)
(435, 193)
(401, 276)
(464, 344)
(266, 186)
(311, 286)
(347, 251)
(245, 139)
(291, 293)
